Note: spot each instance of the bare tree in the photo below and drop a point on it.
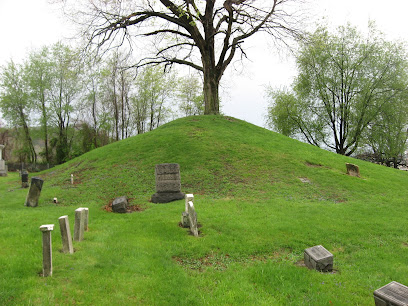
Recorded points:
(205, 35)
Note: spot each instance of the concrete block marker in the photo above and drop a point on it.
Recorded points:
(318, 258)
(353, 170)
(66, 235)
(47, 248)
(79, 224)
(192, 219)
(86, 219)
(391, 294)
(34, 192)
(120, 205)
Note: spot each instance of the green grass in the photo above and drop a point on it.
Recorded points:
(257, 217)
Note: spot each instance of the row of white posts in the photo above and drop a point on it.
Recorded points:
(81, 225)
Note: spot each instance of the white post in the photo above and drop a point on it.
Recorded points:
(47, 248)
(79, 224)
(189, 197)
(72, 179)
(66, 235)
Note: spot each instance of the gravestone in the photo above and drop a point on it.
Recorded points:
(3, 166)
(353, 170)
(192, 219)
(24, 179)
(189, 197)
(391, 294)
(34, 192)
(318, 258)
(79, 224)
(86, 219)
(184, 220)
(47, 248)
(168, 183)
(66, 235)
(119, 205)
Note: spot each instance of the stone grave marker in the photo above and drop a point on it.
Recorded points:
(120, 205)
(353, 170)
(168, 183)
(189, 197)
(47, 248)
(24, 178)
(391, 294)
(86, 218)
(3, 166)
(184, 216)
(66, 235)
(192, 219)
(79, 224)
(318, 258)
(34, 192)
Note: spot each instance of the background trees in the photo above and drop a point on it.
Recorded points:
(346, 84)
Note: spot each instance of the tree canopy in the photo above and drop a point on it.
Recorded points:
(205, 35)
(345, 81)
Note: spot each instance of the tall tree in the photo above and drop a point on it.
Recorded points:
(344, 82)
(205, 35)
(65, 88)
(15, 104)
(38, 76)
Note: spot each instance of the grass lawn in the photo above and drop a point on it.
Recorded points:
(260, 197)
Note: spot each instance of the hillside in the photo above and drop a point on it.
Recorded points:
(261, 199)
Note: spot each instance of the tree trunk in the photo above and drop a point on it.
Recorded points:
(211, 85)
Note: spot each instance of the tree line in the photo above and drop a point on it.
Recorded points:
(74, 103)
(350, 95)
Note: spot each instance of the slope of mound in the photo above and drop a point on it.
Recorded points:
(222, 157)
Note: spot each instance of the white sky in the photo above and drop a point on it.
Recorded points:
(30, 24)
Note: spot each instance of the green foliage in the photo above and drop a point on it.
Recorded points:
(257, 217)
(345, 80)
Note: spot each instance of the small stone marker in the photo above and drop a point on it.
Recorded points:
(55, 201)
(47, 248)
(353, 170)
(318, 258)
(24, 178)
(72, 179)
(34, 192)
(184, 220)
(192, 219)
(66, 235)
(3, 166)
(391, 294)
(120, 205)
(168, 183)
(79, 224)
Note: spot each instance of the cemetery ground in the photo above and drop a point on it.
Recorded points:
(261, 200)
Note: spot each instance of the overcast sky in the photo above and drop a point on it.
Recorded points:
(29, 24)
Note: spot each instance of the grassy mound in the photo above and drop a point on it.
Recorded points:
(261, 198)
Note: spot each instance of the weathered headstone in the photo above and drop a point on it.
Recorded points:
(47, 248)
(168, 183)
(184, 220)
(79, 224)
(3, 166)
(24, 179)
(353, 170)
(192, 219)
(119, 205)
(391, 294)
(318, 258)
(184, 216)
(66, 235)
(34, 192)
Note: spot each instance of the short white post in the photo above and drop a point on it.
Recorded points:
(47, 248)
(66, 235)
(79, 224)
(72, 179)
(189, 197)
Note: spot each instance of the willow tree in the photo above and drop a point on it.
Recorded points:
(203, 34)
